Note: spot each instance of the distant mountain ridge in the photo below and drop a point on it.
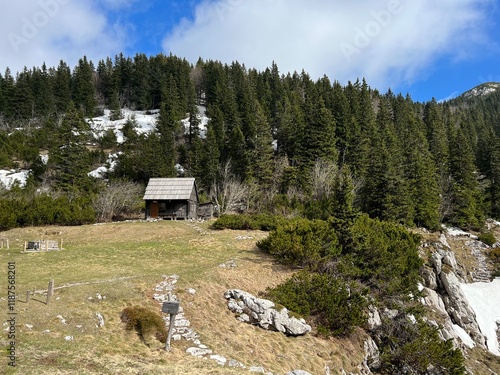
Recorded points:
(481, 90)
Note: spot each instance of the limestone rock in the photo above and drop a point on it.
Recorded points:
(434, 300)
(459, 309)
(235, 363)
(219, 359)
(374, 319)
(430, 279)
(100, 320)
(298, 372)
(257, 369)
(372, 355)
(252, 310)
(198, 352)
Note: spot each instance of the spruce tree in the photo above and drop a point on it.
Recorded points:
(84, 93)
(62, 87)
(70, 158)
(467, 202)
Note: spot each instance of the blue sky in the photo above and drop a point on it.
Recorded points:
(426, 48)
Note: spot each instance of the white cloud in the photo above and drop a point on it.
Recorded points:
(389, 42)
(37, 31)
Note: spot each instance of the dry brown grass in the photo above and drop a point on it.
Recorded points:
(123, 262)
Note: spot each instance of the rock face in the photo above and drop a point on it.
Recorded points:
(251, 309)
(443, 294)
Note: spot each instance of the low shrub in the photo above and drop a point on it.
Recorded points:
(263, 222)
(336, 305)
(488, 238)
(416, 346)
(145, 322)
(302, 242)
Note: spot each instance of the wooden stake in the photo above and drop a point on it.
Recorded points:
(50, 291)
(28, 295)
(170, 326)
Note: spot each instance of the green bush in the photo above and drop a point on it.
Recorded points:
(263, 222)
(336, 305)
(408, 345)
(146, 322)
(488, 238)
(302, 242)
(383, 255)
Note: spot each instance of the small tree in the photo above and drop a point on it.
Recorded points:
(228, 193)
(117, 199)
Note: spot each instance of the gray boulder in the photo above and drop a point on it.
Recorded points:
(260, 311)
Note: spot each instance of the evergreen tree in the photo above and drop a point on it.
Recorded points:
(62, 87)
(84, 93)
(262, 153)
(466, 196)
(70, 158)
(210, 159)
(495, 179)
(22, 101)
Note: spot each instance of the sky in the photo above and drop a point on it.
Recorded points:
(424, 48)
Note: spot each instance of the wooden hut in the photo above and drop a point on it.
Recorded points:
(171, 198)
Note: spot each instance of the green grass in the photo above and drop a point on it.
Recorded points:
(123, 262)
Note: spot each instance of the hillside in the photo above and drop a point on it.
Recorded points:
(481, 90)
(284, 136)
(105, 268)
(123, 263)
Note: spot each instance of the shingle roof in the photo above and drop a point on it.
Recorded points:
(169, 188)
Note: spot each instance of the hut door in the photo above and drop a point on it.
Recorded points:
(154, 209)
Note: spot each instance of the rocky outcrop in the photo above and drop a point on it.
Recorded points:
(443, 294)
(251, 309)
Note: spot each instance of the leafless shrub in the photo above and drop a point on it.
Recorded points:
(118, 198)
(229, 193)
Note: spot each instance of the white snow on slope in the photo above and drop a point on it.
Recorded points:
(456, 232)
(464, 336)
(203, 119)
(484, 298)
(110, 165)
(8, 177)
(145, 121)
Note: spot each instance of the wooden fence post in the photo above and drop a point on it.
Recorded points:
(50, 291)
(28, 295)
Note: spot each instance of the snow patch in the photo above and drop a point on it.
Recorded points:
(464, 336)
(456, 232)
(484, 299)
(100, 172)
(9, 177)
(203, 121)
(145, 122)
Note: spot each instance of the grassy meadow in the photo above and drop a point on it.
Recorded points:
(123, 262)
